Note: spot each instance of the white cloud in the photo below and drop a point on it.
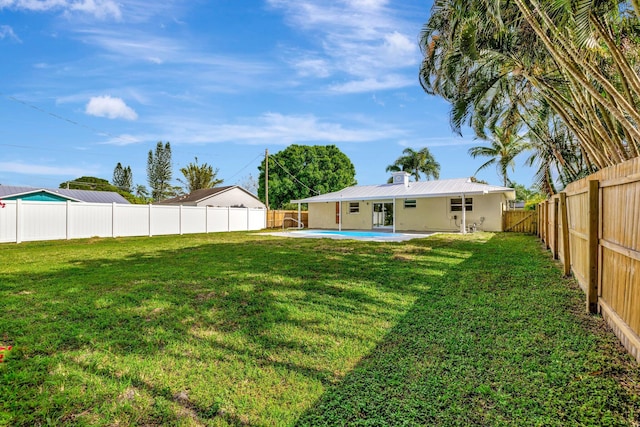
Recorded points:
(34, 169)
(367, 4)
(312, 68)
(126, 139)
(444, 141)
(7, 32)
(182, 62)
(98, 8)
(112, 108)
(372, 84)
(269, 128)
(361, 39)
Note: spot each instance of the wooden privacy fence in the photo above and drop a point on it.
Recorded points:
(286, 218)
(520, 221)
(593, 228)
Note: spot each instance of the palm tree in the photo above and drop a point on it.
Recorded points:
(495, 61)
(416, 163)
(555, 152)
(197, 177)
(141, 191)
(503, 148)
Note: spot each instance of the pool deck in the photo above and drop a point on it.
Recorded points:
(381, 237)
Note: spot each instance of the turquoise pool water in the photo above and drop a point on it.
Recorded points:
(380, 234)
(369, 236)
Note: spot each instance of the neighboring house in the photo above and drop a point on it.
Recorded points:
(411, 206)
(33, 194)
(230, 196)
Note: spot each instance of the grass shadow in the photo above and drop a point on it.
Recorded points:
(498, 340)
(250, 328)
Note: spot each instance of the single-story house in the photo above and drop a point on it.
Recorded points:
(232, 196)
(411, 206)
(34, 194)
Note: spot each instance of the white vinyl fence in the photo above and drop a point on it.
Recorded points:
(23, 221)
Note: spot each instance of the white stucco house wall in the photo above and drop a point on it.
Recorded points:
(411, 206)
(232, 196)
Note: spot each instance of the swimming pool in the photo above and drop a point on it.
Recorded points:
(372, 236)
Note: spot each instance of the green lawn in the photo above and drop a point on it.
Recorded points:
(245, 329)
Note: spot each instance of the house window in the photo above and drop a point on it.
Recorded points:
(408, 203)
(354, 207)
(456, 204)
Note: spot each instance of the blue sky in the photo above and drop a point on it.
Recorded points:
(89, 83)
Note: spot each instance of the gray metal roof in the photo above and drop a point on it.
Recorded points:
(422, 189)
(87, 196)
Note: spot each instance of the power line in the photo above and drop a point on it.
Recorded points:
(292, 176)
(244, 167)
(73, 122)
(65, 119)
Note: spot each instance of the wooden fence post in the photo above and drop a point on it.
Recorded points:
(593, 243)
(565, 234)
(546, 224)
(555, 227)
(540, 214)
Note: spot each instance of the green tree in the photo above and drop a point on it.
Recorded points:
(197, 177)
(92, 183)
(416, 163)
(159, 171)
(123, 178)
(301, 171)
(502, 151)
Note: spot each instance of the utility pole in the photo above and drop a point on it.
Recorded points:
(266, 178)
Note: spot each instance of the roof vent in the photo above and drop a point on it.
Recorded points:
(400, 178)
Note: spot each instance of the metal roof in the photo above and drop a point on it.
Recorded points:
(88, 196)
(422, 189)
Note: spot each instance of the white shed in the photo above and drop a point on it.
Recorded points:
(230, 196)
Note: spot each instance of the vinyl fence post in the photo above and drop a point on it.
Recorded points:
(206, 219)
(68, 218)
(150, 220)
(593, 243)
(180, 221)
(113, 219)
(248, 219)
(228, 218)
(19, 221)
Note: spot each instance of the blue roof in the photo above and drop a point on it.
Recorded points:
(59, 194)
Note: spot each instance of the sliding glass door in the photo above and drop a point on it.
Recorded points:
(382, 215)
